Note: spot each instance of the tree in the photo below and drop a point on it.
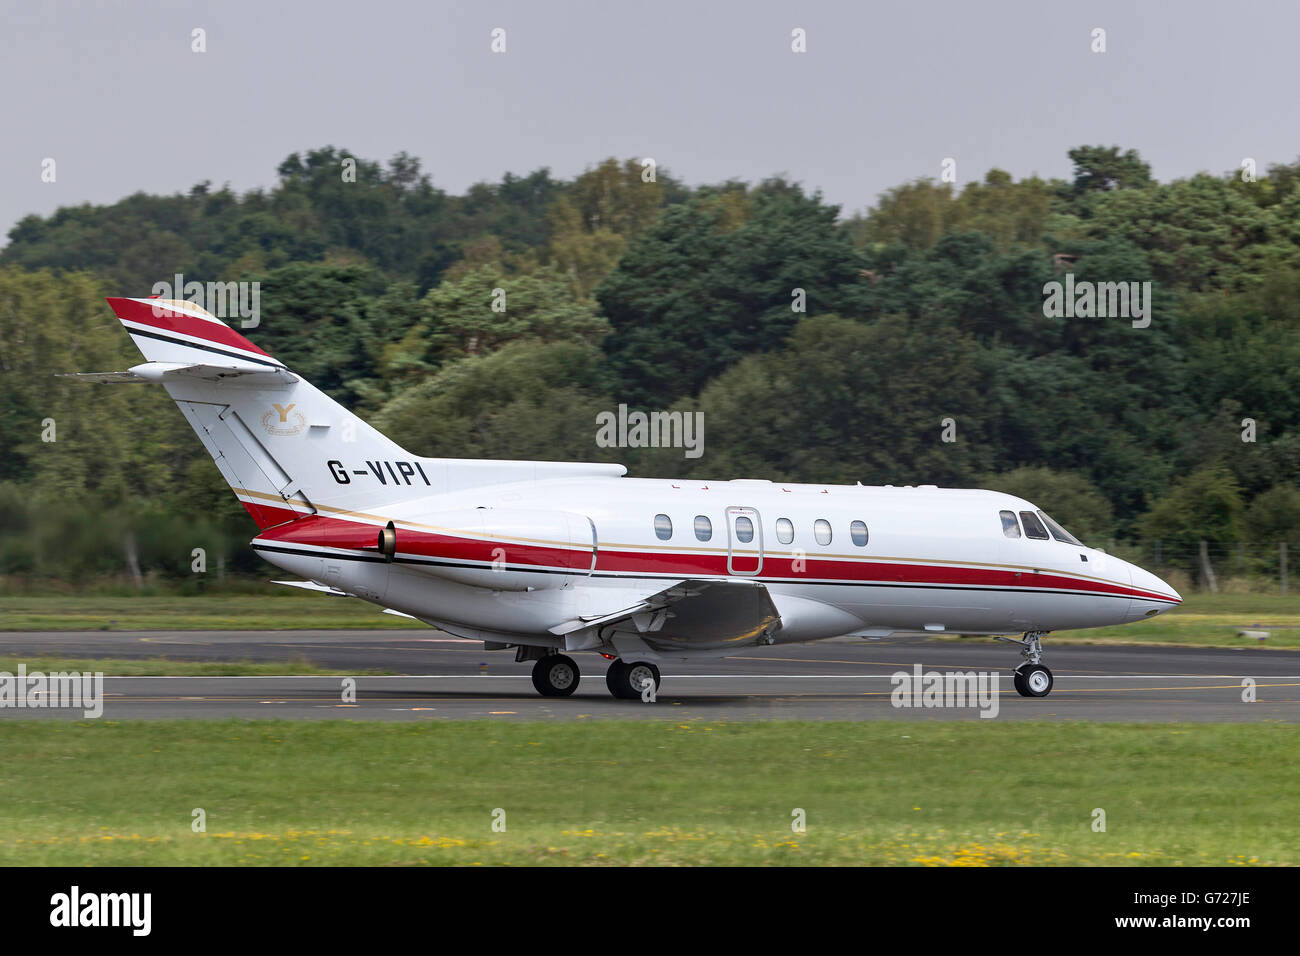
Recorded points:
(483, 309)
(331, 324)
(69, 436)
(1199, 233)
(526, 400)
(1204, 506)
(703, 287)
(847, 401)
(1274, 516)
(1105, 168)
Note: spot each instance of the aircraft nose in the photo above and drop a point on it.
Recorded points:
(1153, 595)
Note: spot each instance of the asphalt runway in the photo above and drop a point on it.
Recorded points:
(444, 678)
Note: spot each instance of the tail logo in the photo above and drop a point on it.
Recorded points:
(283, 420)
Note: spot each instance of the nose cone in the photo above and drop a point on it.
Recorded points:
(1151, 595)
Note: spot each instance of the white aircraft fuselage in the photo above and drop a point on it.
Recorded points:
(511, 562)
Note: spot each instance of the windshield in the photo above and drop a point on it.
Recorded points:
(1059, 533)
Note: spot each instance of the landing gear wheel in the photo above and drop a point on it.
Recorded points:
(1033, 680)
(626, 681)
(614, 678)
(556, 676)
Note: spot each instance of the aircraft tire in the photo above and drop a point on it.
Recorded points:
(1034, 680)
(624, 680)
(556, 676)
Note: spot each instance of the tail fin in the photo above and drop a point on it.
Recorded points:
(284, 447)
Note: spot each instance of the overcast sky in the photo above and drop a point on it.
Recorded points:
(711, 91)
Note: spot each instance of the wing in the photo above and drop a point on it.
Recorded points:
(687, 616)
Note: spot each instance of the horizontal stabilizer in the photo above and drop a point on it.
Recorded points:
(242, 373)
(335, 592)
(313, 586)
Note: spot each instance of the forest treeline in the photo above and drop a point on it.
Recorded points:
(818, 346)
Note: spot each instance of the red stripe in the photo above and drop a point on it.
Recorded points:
(326, 531)
(142, 313)
(268, 516)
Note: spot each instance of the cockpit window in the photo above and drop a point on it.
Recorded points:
(1059, 533)
(1033, 527)
(1010, 526)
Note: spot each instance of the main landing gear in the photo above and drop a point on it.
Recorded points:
(556, 675)
(628, 681)
(1032, 678)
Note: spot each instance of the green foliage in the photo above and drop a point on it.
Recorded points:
(486, 308)
(527, 400)
(1106, 168)
(699, 290)
(62, 434)
(1204, 506)
(1274, 515)
(330, 323)
(918, 214)
(847, 401)
(1200, 233)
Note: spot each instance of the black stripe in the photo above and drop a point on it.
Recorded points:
(668, 576)
(205, 348)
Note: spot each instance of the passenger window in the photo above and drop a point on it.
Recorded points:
(663, 527)
(744, 530)
(1033, 527)
(822, 531)
(1010, 526)
(784, 530)
(858, 532)
(703, 528)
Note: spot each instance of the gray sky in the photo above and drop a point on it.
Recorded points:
(113, 93)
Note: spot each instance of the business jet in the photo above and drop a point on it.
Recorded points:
(550, 559)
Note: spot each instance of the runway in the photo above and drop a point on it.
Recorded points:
(442, 678)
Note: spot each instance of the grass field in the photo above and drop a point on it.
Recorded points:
(963, 794)
(1207, 620)
(277, 610)
(164, 667)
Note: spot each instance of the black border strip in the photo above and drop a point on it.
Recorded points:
(205, 348)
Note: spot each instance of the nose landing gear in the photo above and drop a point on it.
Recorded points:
(1032, 678)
